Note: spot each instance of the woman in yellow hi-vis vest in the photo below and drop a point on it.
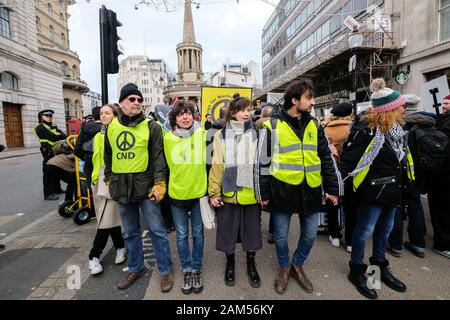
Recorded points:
(231, 189)
(106, 210)
(379, 162)
(185, 151)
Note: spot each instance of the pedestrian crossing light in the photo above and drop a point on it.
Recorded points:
(111, 50)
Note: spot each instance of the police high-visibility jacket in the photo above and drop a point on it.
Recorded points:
(294, 160)
(186, 158)
(360, 176)
(48, 135)
(129, 146)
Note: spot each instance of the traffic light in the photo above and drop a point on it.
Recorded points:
(112, 50)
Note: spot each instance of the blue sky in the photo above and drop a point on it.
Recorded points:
(223, 27)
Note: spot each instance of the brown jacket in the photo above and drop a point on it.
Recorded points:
(63, 161)
(337, 131)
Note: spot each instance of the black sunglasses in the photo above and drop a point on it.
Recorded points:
(133, 99)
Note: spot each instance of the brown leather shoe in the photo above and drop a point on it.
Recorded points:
(281, 281)
(129, 279)
(298, 274)
(167, 281)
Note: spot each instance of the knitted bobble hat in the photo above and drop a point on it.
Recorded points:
(385, 99)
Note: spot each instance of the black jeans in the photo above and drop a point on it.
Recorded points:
(439, 202)
(57, 174)
(334, 225)
(416, 225)
(101, 238)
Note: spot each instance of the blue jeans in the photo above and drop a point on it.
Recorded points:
(308, 234)
(151, 212)
(376, 220)
(181, 224)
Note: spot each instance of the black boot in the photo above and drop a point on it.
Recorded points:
(229, 270)
(253, 276)
(359, 280)
(386, 276)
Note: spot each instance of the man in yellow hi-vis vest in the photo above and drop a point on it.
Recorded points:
(48, 135)
(295, 170)
(136, 171)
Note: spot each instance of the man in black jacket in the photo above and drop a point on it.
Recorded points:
(136, 171)
(439, 195)
(83, 147)
(292, 172)
(48, 134)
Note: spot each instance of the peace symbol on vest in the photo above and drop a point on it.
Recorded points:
(125, 141)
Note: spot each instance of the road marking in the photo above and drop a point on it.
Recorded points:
(30, 226)
(3, 234)
(20, 214)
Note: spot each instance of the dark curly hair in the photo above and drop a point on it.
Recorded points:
(180, 106)
(295, 90)
(237, 104)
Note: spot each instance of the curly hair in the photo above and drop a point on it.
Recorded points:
(383, 120)
(180, 106)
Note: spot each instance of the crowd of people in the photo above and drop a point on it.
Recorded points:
(366, 171)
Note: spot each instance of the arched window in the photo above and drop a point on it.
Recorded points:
(8, 81)
(51, 32)
(38, 24)
(49, 10)
(63, 39)
(61, 18)
(75, 71)
(67, 109)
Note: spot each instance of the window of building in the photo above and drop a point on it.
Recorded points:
(75, 72)
(65, 68)
(5, 29)
(444, 13)
(63, 39)
(61, 18)
(359, 7)
(38, 24)
(8, 81)
(49, 10)
(51, 32)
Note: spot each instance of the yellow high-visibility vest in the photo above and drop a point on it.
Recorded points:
(292, 159)
(49, 129)
(129, 146)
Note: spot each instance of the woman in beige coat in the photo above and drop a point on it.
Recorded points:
(106, 210)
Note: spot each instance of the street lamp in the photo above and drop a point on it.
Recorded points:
(355, 40)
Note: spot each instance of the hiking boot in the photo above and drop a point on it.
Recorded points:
(282, 280)
(417, 251)
(130, 278)
(387, 277)
(186, 287)
(167, 281)
(298, 274)
(197, 281)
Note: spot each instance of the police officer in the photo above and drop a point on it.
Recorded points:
(48, 135)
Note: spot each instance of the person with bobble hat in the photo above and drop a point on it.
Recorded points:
(380, 165)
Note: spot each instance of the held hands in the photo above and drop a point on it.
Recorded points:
(158, 191)
(264, 203)
(216, 202)
(334, 199)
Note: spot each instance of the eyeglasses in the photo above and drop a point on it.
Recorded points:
(133, 99)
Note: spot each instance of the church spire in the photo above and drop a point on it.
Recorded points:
(188, 28)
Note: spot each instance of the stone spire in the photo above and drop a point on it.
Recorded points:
(188, 28)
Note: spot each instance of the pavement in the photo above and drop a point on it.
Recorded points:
(46, 258)
(18, 152)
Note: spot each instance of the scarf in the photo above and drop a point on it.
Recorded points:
(395, 138)
(239, 156)
(185, 133)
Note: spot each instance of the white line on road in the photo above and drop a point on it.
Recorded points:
(3, 234)
(20, 214)
(29, 226)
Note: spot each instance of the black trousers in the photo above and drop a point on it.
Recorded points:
(57, 174)
(101, 238)
(334, 225)
(439, 202)
(350, 205)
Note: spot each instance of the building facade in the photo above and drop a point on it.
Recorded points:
(91, 100)
(189, 57)
(53, 40)
(309, 40)
(236, 75)
(150, 75)
(29, 82)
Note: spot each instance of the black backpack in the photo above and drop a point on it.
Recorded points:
(431, 145)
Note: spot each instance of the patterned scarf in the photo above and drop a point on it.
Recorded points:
(395, 137)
